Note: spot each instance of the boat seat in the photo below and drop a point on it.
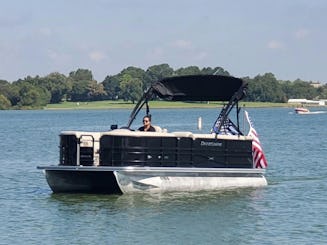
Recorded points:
(157, 128)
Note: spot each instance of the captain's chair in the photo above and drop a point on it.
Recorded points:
(157, 128)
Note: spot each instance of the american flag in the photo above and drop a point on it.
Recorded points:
(259, 159)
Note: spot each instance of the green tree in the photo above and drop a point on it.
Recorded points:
(96, 91)
(190, 70)
(58, 85)
(32, 96)
(5, 92)
(158, 72)
(131, 88)
(79, 90)
(135, 73)
(214, 71)
(13, 94)
(265, 89)
(322, 92)
(4, 102)
(81, 75)
(111, 87)
(302, 89)
(84, 88)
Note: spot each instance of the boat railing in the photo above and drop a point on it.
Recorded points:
(182, 150)
(85, 150)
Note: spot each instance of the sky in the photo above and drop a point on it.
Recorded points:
(246, 38)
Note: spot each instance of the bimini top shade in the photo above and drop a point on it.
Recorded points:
(199, 88)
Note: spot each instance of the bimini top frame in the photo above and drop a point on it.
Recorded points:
(196, 88)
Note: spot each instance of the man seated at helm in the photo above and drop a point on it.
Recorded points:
(147, 125)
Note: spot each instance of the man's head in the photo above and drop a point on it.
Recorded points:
(146, 120)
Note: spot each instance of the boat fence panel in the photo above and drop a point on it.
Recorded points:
(68, 150)
(174, 152)
(77, 149)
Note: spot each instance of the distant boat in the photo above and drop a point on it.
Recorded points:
(301, 110)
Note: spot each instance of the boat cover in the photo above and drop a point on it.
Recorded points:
(199, 88)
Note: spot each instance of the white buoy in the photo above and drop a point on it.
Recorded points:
(200, 123)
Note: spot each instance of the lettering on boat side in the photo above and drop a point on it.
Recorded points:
(210, 143)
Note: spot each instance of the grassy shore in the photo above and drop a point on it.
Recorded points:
(109, 104)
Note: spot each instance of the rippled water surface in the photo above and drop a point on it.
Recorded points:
(292, 209)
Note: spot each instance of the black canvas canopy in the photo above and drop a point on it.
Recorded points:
(195, 88)
(198, 88)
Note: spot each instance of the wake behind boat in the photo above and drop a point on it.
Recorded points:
(306, 111)
(124, 160)
(301, 110)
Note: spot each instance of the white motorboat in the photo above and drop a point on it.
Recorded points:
(305, 111)
(301, 110)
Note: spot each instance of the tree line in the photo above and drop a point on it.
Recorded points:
(129, 84)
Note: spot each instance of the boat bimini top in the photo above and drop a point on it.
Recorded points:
(199, 88)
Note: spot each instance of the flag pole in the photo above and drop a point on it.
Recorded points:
(243, 119)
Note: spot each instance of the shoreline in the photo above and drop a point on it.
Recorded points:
(120, 105)
(100, 105)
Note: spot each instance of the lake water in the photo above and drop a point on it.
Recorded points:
(292, 209)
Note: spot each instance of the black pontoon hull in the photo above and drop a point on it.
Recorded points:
(77, 181)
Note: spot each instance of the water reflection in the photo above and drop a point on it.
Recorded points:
(174, 200)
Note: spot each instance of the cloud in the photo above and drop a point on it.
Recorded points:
(301, 33)
(97, 56)
(45, 31)
(52, 54)
(274, 44)
(156, 54)
(182, 44)
(12, 21)
(201, 56)
(58, 57)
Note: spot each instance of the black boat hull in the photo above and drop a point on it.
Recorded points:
(63, 181)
